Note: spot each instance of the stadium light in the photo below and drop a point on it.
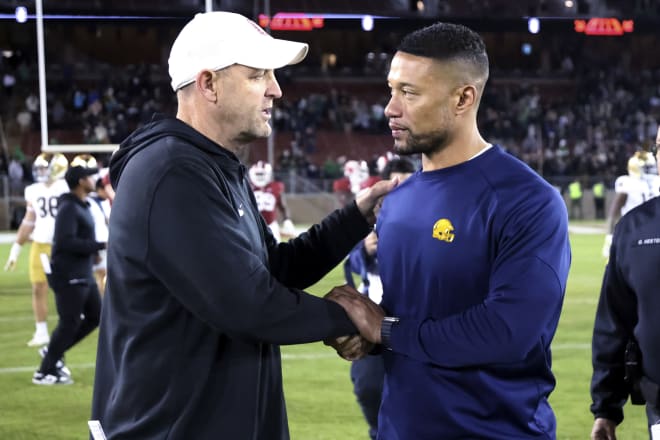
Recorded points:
(21, 14)
(534, 25)
(367, 23)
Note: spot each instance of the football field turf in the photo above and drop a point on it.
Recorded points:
(317, 386)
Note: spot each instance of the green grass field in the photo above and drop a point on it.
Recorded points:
(320, 402)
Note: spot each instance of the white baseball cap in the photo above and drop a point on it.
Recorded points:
(215, 40)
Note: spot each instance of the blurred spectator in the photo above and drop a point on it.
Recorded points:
(15, 176)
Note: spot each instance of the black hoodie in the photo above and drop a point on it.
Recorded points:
(74, 242)
(200, 296)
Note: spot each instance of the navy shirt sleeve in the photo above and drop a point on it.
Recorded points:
(523, 304)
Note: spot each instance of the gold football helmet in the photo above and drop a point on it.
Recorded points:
(84, 160)
(642, 162)
(48, 167)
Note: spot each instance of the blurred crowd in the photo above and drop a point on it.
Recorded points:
(571, 119)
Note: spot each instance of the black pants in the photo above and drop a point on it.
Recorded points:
(599, 204)
(367, 375)
(79, 310)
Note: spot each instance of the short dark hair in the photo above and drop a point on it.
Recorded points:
(397, 165)
(448, 42)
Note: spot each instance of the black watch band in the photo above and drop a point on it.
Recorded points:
(386, 330)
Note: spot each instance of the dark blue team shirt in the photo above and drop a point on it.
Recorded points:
(474, 260)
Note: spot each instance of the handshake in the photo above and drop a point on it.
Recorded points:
(367, 317)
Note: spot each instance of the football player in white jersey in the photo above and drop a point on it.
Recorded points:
(41, 208)
(639, 185)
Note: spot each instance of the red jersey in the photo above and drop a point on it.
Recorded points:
(341, 185)
(269, 200)
(370, 181)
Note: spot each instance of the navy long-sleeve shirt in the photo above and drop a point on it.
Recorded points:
(474, 260)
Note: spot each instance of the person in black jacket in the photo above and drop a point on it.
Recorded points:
(76, 295)
(626, 337)
(199, 295)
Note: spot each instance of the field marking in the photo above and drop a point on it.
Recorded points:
(581, 301)
(32, 368)
(571, 346)
(288, 357)
(586, 230)
(588, 301)
(309, 356)
(17, 318)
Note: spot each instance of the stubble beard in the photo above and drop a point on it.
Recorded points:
(258, 131)
(427, 144)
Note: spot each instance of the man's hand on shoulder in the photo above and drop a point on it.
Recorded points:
(368, 200)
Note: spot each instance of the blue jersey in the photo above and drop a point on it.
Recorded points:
(474, 260)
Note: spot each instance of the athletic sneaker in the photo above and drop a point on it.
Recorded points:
(38, 340)
(59, 364)
(58, 378)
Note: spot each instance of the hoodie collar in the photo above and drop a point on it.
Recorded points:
(162, 126)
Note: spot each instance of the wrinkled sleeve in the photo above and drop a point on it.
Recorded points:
(613, 328)
(523, 304)
(202, 255)
(66, 224)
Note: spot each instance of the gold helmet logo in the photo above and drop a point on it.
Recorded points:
(84, 160)
(49, 167)
(443, 230)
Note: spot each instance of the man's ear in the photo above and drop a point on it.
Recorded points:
(467, 98)
(207, 86)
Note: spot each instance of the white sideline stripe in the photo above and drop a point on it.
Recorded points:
(571, 346)
(588, 230)
(17, 318)
(10, 236)
(30, 369)
(294, 357)
(581, 301)
(54, 321)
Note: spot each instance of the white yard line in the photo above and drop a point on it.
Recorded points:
(32, 368)
(286, 357)
(20, 318)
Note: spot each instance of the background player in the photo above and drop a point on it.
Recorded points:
(39, 221)
(271, 200)
(99, 207)
(639, 185)
(356, 177)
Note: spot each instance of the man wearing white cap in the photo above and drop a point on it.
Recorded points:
(199, 295)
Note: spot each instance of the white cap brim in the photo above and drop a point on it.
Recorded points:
(273, 54)
(215, 40)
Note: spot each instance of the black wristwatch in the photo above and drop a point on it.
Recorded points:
(386, 330)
